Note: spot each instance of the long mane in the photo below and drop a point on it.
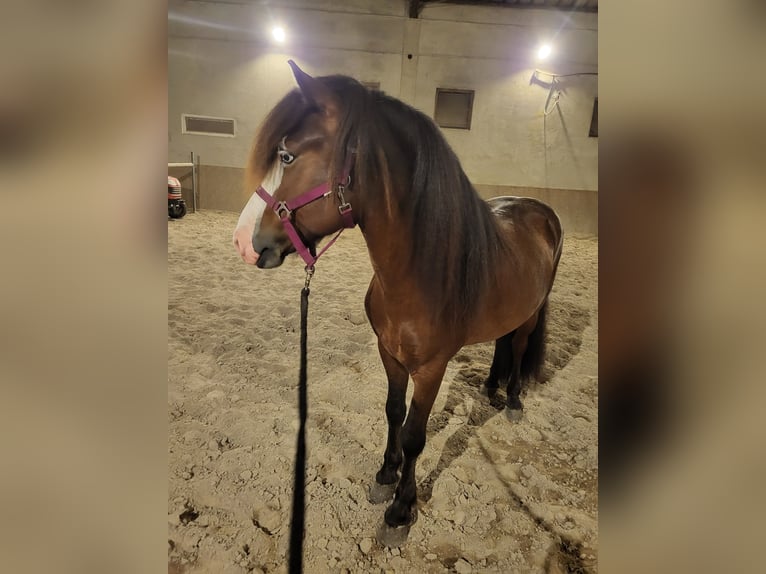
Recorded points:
(281, 120)
(455, 238)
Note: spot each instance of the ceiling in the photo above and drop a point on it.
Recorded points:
(570, 5)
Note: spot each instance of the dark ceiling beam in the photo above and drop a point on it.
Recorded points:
(569, 5)
(415, 7)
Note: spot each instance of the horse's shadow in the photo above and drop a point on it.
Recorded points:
(467, 382)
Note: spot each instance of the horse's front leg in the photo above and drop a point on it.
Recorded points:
(396, 409)
(427, 379)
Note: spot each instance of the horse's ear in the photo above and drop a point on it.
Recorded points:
(314, 91)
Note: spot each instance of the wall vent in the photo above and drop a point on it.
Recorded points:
(453, 108)
(208, 126)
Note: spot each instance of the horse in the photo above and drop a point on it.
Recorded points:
(450, 269)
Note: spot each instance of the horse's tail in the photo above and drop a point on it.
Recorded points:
(533, 359)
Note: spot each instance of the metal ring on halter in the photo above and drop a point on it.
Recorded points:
(309, 275)
(282, 210)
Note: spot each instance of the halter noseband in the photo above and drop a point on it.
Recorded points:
(285, 209)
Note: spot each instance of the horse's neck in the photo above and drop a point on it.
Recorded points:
(385, 229)
(389, 246)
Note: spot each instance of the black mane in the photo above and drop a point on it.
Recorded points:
(455, 236)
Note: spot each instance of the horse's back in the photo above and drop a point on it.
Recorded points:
(528, 216)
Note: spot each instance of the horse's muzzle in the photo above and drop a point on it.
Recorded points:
(269, 258)
(270, 252)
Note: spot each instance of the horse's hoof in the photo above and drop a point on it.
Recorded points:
(380, 493)
(488, 391)
(398, 516)
(392, 536)
(514, 415)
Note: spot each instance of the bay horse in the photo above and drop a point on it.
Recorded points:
(450, 269)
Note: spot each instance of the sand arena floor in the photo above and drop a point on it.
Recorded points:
(495, 496)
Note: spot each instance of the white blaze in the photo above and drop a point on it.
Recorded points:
(250, 218)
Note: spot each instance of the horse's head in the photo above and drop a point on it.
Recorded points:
(300, 166)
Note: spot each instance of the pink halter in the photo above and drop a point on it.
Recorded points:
(285, 209)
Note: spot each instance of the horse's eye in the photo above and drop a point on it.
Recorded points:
(286, 157)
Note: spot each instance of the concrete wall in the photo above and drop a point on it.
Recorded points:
(223, 62)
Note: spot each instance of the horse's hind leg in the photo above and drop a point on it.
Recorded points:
(501, 365)
(519, 346)
(427, 379)
(395, 412)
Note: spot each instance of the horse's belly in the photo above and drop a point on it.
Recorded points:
(504, 312)
(494, 326)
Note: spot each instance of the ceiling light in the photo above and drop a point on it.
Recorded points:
(279, 34)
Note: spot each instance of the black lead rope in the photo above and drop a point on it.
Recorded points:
(299, 485)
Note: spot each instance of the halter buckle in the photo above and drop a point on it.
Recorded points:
(344, 206)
